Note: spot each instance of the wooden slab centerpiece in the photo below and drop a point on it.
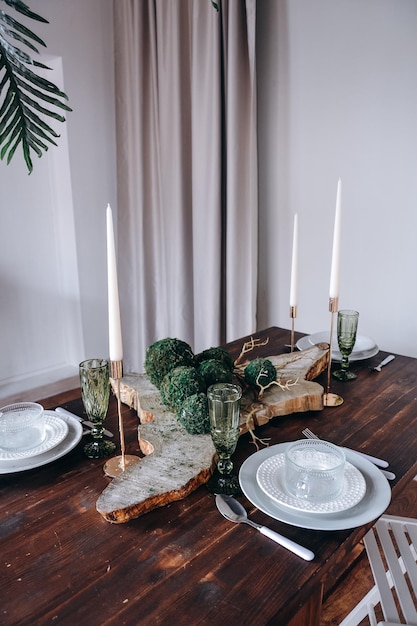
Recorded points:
(176, 462)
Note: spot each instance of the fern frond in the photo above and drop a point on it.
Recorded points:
(27, 99)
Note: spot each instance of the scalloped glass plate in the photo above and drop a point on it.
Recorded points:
(270, 478)
(55, 431)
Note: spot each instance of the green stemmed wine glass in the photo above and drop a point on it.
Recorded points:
(224, 412)
(95, 391)
(347, 326)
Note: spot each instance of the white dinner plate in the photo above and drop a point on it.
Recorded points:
(271, 479)
(75, 432)
(364, 348)
(55, 431)
(375, 501)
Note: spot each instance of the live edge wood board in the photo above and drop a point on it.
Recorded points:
(176, 463)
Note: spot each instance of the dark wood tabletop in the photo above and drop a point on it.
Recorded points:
(62, 563)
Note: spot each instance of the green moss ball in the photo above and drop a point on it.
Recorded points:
(178, 384)
(213, 371)
(219, 354)
(164, 355)
(260, 370)
(194, 415)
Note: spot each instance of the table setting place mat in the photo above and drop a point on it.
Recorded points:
(62, 435)
(55, 431)
(261, 480)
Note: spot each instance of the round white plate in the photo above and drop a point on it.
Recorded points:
(55, 431)
(364, 348)
(376, 499)
(271, 479)
(75, 432)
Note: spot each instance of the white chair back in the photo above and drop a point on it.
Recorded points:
(391, 548)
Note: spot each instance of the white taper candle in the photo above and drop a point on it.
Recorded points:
(294, 265)
(334, 275)
(115, 330)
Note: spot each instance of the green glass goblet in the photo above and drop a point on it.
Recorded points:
(224, 413)
(95, 391)
(347, 326)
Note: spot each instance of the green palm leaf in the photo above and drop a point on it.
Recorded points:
(25, 97)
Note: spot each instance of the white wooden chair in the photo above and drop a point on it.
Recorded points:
(391, 548)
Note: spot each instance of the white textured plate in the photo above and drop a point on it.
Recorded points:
(372, 505)
(364, 348)
(271, 479)
(55, 431)
(75, 432)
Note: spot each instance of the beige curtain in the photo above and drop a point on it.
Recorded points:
(187, 172)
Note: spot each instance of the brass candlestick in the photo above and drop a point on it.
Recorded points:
(117, 465)
(293, 315)
(331, 399)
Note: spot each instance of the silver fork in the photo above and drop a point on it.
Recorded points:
(378, 462)
(388, 359)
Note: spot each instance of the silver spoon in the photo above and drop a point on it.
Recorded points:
(233, 511)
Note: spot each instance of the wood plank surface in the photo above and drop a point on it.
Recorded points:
(62, 563)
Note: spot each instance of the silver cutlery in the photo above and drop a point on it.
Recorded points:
(388, 475)
(377, 368)
(233, 511)
(379, 462)
(62, 411)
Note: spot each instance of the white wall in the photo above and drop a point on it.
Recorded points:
(81, 31)
(53, 260)
(338, 97)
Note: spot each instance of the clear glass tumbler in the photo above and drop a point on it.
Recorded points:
(22, 426)
(314, 470)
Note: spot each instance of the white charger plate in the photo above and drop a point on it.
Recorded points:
(364, 348)
(375, 501)
(271, 479)
(75, 432)
(55, 431)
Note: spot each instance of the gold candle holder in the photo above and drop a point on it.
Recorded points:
(293, 315)
(117, 465)
(331, 399)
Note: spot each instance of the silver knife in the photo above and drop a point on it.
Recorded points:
(388, 475)
(63, 411)
(378, 462)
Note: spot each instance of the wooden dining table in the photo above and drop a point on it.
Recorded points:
(183, 563)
